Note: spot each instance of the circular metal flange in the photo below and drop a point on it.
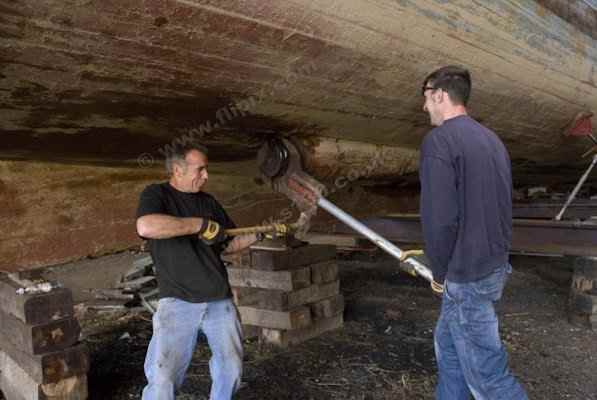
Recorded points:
(273, 158)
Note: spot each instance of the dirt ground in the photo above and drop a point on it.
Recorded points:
(384, 350)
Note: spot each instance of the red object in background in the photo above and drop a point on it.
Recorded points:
(581, 126)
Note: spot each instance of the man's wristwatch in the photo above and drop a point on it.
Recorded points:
(260, 236)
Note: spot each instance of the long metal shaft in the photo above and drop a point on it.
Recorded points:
(378, 240)
(581, 181)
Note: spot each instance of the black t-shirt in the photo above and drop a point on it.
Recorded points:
(186, 268)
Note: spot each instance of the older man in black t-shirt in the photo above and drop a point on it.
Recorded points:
(185, 230)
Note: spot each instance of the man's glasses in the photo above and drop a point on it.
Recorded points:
(426, 88)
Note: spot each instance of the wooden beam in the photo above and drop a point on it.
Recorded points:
(279, 300)
(42, 338)
(280, 280)
(35, 309)
(289, 258)
(285, 338)
(294, 319)
(50, 367)
(16, 384)
(324, 272)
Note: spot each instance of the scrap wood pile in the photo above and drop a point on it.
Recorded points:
(135, 290)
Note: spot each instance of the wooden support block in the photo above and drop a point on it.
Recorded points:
(280, 280)
(251, 331)
(43, 338)
(240, 259)
(35, 309)
(16, 384)
(290, 258)
(584, 320)
(294, 319)
(279, 300)
(324, 272)
(328, 308)
(285, 338)
(48, 367)
(584, 302)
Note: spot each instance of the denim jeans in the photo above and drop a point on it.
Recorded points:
(470, 356)
(176, 325)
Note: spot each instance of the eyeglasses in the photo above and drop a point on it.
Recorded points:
(426, 88)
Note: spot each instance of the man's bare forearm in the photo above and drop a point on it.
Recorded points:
(162, 226)
(240, 243)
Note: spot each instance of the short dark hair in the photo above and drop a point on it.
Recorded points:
(453, 79)
(177, 153)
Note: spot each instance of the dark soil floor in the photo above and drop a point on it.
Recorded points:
(384, 350)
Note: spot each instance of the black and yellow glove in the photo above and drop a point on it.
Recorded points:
(211, 232)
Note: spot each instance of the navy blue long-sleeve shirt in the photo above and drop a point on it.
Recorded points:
(466, 200)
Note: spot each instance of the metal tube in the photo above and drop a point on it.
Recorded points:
(577, 188)
(378, 240)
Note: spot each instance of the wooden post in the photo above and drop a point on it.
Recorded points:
(583, 293)
(39, 355)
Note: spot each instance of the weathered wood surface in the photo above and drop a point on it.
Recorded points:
(35, 309)
(324, 272)
(16, 384)
(285, 259)
(583, 292)
(293, 319)
(327, 308)
(280, 280)
(42, 338)
(286, 338)
(49, 367)
(279, 300)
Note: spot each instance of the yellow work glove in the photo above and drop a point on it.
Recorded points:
(437, 288)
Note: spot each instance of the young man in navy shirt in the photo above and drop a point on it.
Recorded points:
(466, 213)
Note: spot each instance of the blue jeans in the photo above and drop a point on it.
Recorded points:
(470, 356)
(176, 325)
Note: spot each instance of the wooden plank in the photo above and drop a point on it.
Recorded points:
(294, 319)
(340, 240)
(251, 331)
(324, 272)
(584, 302)
(289, 258)
(16, 384)
(279, 300)
(43, 338)
(35, 309)
(279, 280)
(327, 308)
(240, 259)
(285, 338)
(48, 367)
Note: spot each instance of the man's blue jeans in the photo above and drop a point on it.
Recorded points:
(176, 325)
(470, 356)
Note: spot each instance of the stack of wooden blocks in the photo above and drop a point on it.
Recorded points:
(288, 295)
(39, 354)
(583, 293)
